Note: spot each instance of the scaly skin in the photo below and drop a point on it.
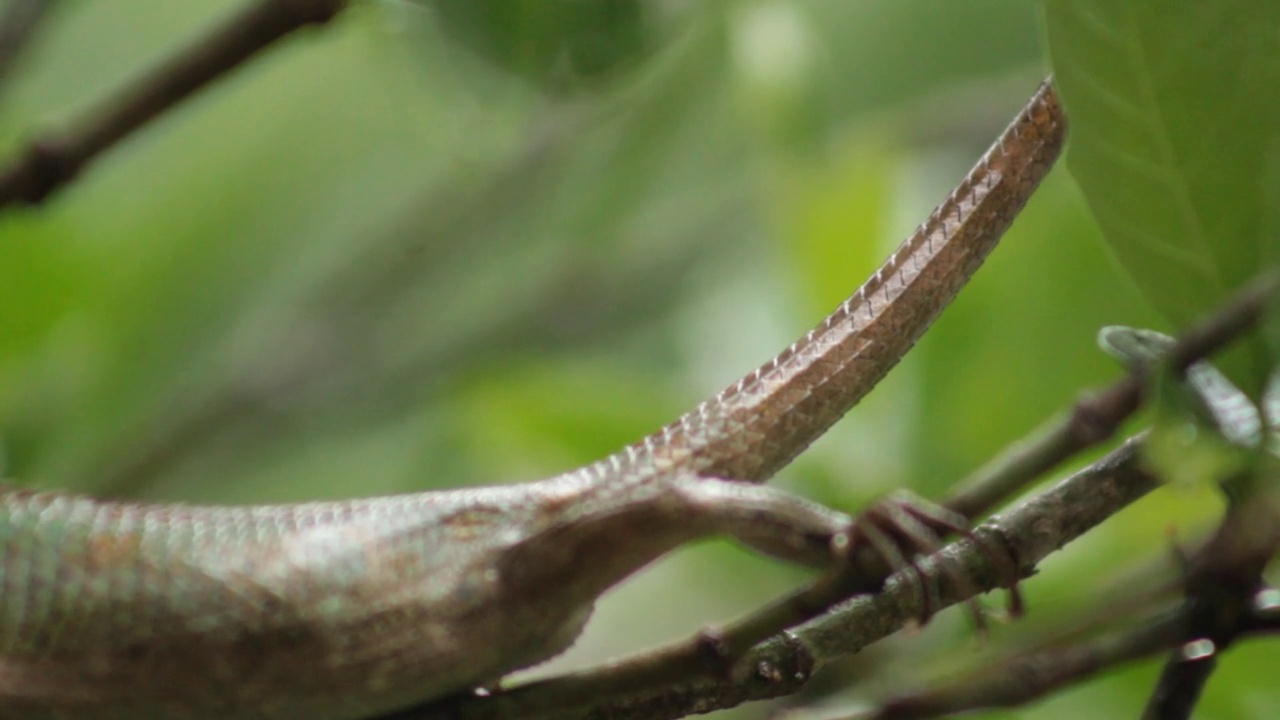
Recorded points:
(337, 611)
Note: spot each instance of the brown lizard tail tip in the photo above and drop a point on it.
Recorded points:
(1032, 141)
(1045, 112)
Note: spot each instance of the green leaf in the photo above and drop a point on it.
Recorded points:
(1175, 140)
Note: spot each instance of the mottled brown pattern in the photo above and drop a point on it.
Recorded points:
(107, 552)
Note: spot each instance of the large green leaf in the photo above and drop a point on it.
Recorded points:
(1175, 111)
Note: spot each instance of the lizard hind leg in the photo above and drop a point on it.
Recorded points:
(858, 553)
(895, 530)
(769, 520)
(903, 520)
(906, 520)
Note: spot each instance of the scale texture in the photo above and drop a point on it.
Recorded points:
(345, 610)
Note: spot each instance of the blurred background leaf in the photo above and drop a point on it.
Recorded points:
(1176, 143)
(556, 44)
(449, 243)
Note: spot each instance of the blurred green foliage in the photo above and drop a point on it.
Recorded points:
(557, 44)
(1177, 146)
(450, 243)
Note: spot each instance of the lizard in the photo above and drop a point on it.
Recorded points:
(1210, 396)
(337, 610)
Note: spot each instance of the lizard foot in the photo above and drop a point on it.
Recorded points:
(903, 527)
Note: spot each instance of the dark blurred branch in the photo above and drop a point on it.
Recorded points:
(52, 161)
(18, 25)
(1033, 675)
(1223, 584)
(1182, 679)
(1030, 676)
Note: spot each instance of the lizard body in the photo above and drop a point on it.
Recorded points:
(340, 610)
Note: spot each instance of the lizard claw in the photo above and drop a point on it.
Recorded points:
(902, 528)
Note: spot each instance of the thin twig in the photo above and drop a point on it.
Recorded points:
(1033, 675)
(1096, 418)
(51, 161)
(1223, 582)
(1030, 676)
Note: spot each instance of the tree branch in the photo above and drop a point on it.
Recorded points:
(1096, 418)
(52, 161)
(1224, 581)
(1033, 675)
(1029, 533)
(1030, 676)
(784, 664)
